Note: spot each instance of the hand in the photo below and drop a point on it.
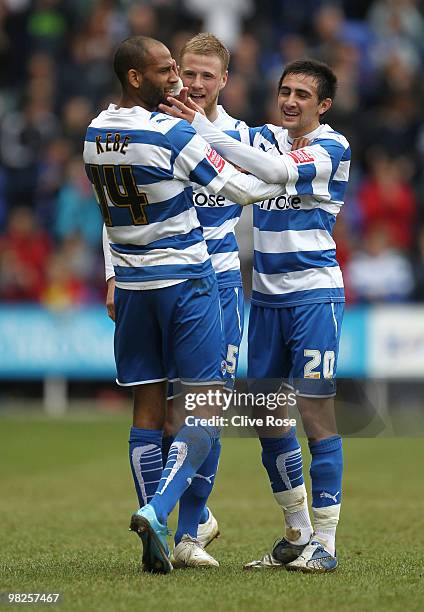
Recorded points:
(110, 298)
(300, 142)
(179, 109)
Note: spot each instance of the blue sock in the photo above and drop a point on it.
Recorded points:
(193, 502)
(188, 451)
(166, 445)
(204, 515)
(326, 471)
(145, 461)
(282, 459)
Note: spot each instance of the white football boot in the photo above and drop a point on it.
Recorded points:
(206, 532)
(190, 553)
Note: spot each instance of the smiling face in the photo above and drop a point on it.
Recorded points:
(299, 105)
(204, 76)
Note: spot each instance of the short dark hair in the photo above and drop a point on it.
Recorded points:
(325, 77)
(132, 53)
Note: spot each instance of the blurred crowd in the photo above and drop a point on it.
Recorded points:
(56, 75)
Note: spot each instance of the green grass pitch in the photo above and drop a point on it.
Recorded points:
(66, 498)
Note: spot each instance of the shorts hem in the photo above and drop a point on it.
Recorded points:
(304, 302)
(315, 396)
(141, 382)
(203, 383)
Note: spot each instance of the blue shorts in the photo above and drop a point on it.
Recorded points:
(299, 344)
(169, 333)
(232, 312)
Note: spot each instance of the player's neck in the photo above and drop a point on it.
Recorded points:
(303, 132)
(128, 101)
(212, 113)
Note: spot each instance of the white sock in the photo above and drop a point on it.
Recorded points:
(294, 505)
(325, 522)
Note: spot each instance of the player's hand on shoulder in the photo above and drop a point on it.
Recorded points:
(300, 142)
(110, 298)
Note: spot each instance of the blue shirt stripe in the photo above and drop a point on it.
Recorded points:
(180, 135)
(281, 263)
(228, 244)
(295, 298)
(159, 211)
(143, 175)
(299, 220)
(203, 173)
(149, 273)
(178, 242)
(215, 216)
(307, 173)
(337, 190)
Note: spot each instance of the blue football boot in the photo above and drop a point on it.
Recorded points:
(153, 536)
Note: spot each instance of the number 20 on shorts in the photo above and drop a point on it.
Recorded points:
(315, 358)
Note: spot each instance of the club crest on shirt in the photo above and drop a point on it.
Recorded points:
(300, 156)
(214, 158)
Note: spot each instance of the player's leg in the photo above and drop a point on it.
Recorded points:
(316, 338)
(281, 453)
(193, 502)
(195, 340)
(145, 443)
(144, 371)
(174, 391)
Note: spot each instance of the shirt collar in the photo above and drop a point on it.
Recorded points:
(311, 135)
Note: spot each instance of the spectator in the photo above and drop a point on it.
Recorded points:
(24, 252)
(77, 210)
(379, 273)
(387, 201)
(221, 17)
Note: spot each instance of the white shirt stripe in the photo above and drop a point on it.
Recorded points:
(197, 253)
(225, 261)
(144, 234)
(314, 278)
(291, 241)
(220, 231)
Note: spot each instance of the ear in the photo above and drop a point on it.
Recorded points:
(325, 105)
(134, 78)
(224, 80)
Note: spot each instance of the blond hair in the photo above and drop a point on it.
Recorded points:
(207, 44)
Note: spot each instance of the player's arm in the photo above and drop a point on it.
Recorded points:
(319, 169)
(262, 165)
(110, 276)
(197, 162)
(247, 189)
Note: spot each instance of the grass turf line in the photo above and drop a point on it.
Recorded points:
(67, 496)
